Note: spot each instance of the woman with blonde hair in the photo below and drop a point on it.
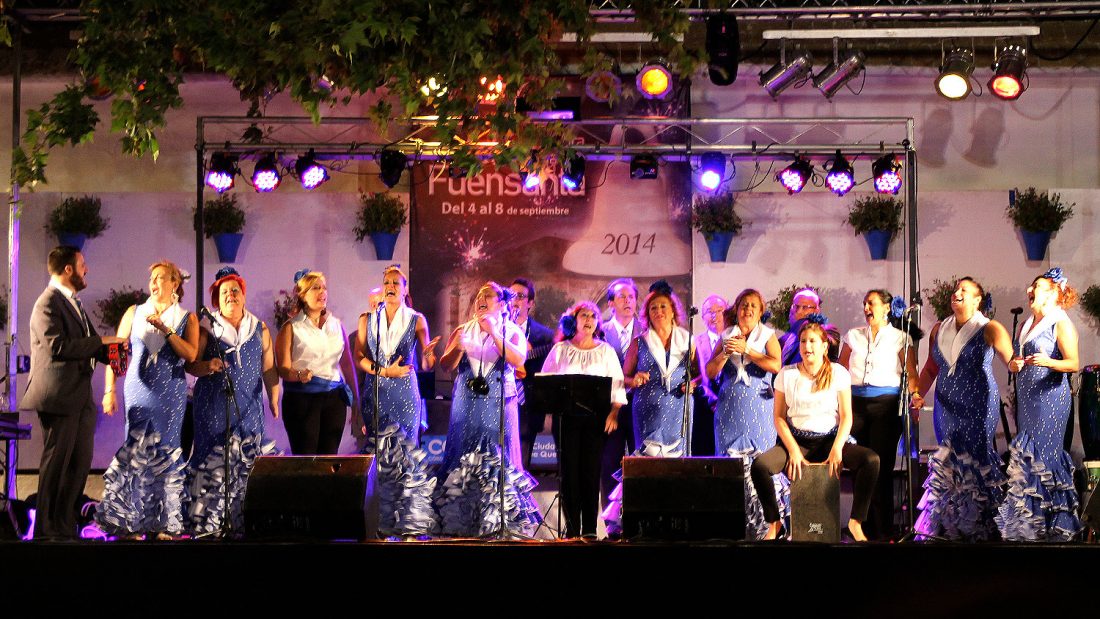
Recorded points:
(318, 375)
(486, 350)
(143, 487)
(813, 416)
(391, 344)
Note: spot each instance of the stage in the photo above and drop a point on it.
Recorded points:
(916, 579)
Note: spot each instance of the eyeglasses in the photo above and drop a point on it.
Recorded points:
(520, 295)
(805, 307)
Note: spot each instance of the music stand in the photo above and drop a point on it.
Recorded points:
(565, 396)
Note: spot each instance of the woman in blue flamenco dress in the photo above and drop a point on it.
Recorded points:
(468, 495)
(743, 368)
(656, 367)
(386, 351)
(965, 485)
(1042, 502)
(143, 487)
(245, 343)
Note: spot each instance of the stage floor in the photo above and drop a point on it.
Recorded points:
(916, 579)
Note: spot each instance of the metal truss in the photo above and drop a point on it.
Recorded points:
(619, 10)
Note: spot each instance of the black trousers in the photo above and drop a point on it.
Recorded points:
(580, 442)
(314, 421)
(861, 461)
(66, 460)
(876, 425)
(617, 444)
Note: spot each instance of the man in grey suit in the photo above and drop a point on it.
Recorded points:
(624, 326)
(63, 346)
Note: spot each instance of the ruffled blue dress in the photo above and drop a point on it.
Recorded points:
(246, 443)
(144, 485)
(1042, 501)
(468, 497)
(965, 485)
(744, 427)
(405, 487)
(659, 407)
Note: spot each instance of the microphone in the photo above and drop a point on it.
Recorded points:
(205, 313)
(1016, 311)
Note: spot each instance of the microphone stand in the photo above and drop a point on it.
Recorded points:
(230, 389)
(502, 533)
(906, 418)
(685, 426)
(377, 372)
(1017, 349)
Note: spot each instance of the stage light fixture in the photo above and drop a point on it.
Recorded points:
(601, 86)
(572, 174)
(784, 74)
(433, 87)
(712, 169)
(391, 164)
(654, 80)
(310, 173)
(492, 90)
(643, 167)
(841, 177)
(795, 176)
(887, 173)
(220, 173)
(954, 80)
(723, 47)
(266, 176)
(1009, 73)
(838, 73)
(529, 174)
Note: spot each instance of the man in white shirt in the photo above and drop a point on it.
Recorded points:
(702, 436)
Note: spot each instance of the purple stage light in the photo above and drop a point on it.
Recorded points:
(712, 167)
(219, 181)
(840, 178)
(310, 173)
(887, 173)
(710, 180)
(795, 176)
(530, 181)
(266, 177)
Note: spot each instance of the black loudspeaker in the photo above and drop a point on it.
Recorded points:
(312, 497)
(815, 506)
(683, 498)
(723, 46)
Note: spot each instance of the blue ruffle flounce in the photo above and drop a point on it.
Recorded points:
(143, 487)
(961, 496)
(405, 488)
(207, 488)
(756, 525)
(469, 499)
(1041, 503)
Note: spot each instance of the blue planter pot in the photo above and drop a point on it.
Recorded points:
(384, 243)
(73, 239)
(878, 242)
(719, 245)
(1036, 244)
(228, 243)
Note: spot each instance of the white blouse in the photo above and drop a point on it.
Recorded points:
(565, 358)
(482, 351)
(814, 411)
(876, 362)
(317, 350)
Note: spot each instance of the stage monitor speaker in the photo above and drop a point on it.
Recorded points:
(815, 506)
(683, 498)
(312, 497)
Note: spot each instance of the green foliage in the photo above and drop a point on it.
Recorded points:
(875, 213)
(64, 120)
(113, 308)
(380, 212)
(286, 305)
(780, 305)
(1039, 212)
(222, 215)
(710, 214)
(1090, 302)
(939, 296)
(78, 216)
(139, 51)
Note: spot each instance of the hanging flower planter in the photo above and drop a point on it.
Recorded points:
(223, 220)
(227, 244)
(719, 245)
(714, 217)
(76, 220)
(380, 217)
(878, 219)
(384, 242)
(1038, 216)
